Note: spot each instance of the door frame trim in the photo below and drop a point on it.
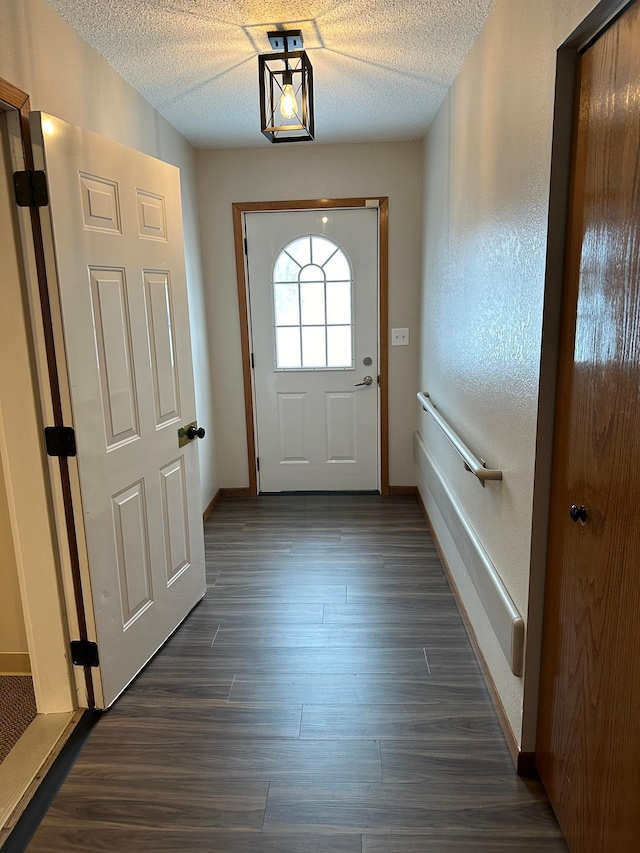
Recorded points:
(603, 15)
(14, 100)
(239, 209)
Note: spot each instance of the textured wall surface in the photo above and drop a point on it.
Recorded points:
(486, 178)
(43, 56)
(307, 171)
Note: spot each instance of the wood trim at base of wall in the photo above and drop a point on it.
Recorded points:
(15, 663)
(403, 491)
(394, 491)
(212, 505)
(236, 493)
(225, 493)
(524, 762)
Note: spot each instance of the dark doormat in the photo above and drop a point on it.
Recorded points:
(17, 710)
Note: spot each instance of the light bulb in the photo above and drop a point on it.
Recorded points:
(288, 103)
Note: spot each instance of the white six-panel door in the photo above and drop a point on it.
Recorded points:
(313, 291)
(117, 228)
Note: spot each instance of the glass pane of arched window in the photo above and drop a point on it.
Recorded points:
(288, 344)
(286, 269)
(314, 346)
(300, 250)
(338, 346)
(321, 250)
(312, 294)
(287, 304)
(338, 302)
(311, 272)
(312, 303)
(337, 268)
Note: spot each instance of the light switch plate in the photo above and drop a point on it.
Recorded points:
(399, 337)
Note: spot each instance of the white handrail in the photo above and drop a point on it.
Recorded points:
(471, 462)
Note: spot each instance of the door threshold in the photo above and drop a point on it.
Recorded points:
(26, 765)
(320, 492)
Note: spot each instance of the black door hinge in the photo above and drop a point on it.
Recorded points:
(84, 653)
(246, 249)
(258, 462)
(60, 441)
(253, 364)
(30, 189)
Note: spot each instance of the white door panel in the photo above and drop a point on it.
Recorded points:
(117, 230)
(316, 430)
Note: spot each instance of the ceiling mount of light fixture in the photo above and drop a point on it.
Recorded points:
(286, 40)
(286, 89)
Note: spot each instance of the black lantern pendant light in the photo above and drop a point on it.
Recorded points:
(286, 89)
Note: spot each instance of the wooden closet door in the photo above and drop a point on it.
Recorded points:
(589, 722)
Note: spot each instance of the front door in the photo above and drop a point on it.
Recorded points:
(588, 750)
(117, 229)
(313, 292)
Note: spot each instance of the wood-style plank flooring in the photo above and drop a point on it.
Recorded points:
(323, 698)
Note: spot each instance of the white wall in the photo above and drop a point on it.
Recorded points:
(487, 163)
(310, 171)
(42, 55)
(13, 637)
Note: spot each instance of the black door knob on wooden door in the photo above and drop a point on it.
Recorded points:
(194, 432)
(578, 513)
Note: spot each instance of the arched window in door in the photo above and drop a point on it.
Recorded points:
(312, 294)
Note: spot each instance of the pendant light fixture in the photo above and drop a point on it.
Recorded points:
(286, 89)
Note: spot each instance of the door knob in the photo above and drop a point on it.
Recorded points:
(194, 432)
(578, 513)
(368, 380)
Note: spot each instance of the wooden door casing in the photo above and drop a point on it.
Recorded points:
(239, 209)
(588, 750)
(315, 429)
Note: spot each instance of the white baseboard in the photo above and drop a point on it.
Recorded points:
(505, 620)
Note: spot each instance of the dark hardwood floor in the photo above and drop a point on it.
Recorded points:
(323, 698)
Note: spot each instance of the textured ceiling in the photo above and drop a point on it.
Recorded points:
(381, 67)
